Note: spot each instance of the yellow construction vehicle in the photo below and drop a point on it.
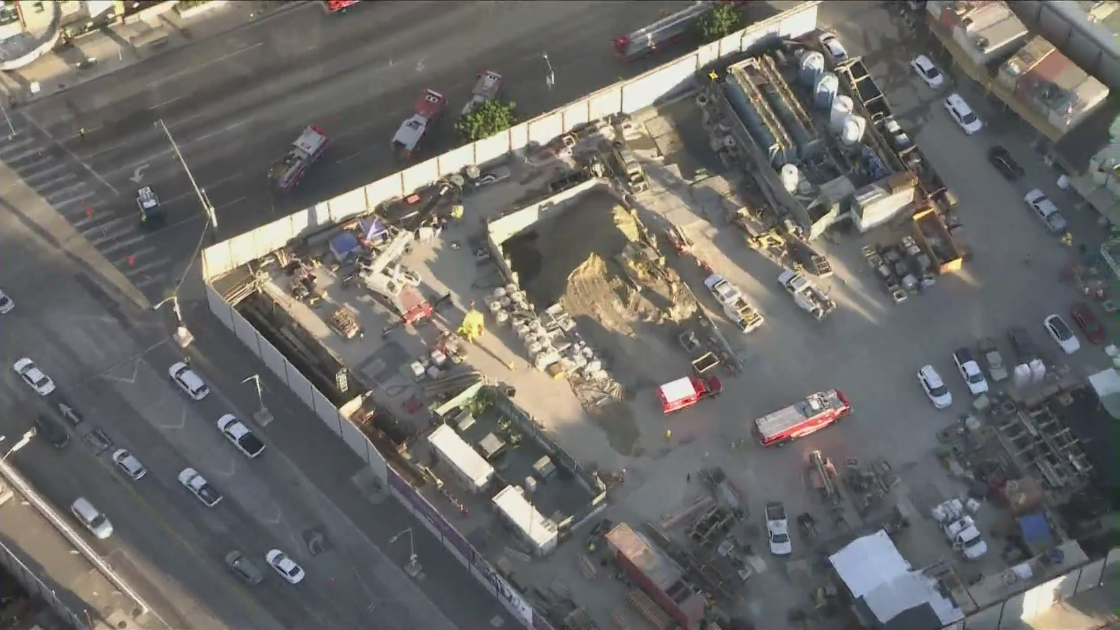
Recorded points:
(472, 326)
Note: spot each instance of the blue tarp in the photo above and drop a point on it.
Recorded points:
(371, 228)
(343, 244)
(1035, 528)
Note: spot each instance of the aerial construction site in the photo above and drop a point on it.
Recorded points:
(583, 355)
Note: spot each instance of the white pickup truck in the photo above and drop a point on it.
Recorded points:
(735, 305)
(960, 529)
(806, 295)
(777, 529)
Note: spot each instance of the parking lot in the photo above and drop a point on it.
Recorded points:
(870, 348)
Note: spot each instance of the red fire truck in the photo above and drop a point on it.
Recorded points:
(687, 391)
(338, 6)
(307, 148)
(646, 41)
(802, 418)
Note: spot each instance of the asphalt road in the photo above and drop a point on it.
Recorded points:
(235, 102)
(109, 361)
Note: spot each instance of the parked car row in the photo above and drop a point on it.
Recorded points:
(131, 467)
(976, 368)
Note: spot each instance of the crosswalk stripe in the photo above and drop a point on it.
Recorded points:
(112, 242)
(52, 195)
(45, 187)
(108, 229)
(23, 154)
(32, 177)
(76, 199)
(15, 143)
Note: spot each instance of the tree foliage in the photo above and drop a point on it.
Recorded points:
(486, 119)
(720, 22)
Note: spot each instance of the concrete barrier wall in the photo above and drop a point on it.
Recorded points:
(501, 230)
(625, 97)
(1018, 608)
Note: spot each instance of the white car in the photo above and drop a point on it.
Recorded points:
(188, 381)
(1045, 210)
(969, 370)
(6, 303)
(1061, 333)
(934, 387)
(33, 376)
(960, 112)
(833, 48)
(129, 465)
(285, 566)
(196, 483)
(240, 436)
(927, 71)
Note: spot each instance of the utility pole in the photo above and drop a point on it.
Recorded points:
(263, 416)
(202, 198)
(182, 335)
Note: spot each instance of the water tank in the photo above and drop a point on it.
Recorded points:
(790, 177)
(851, 132)
(811, 68)
(825, 89)
(841, 109)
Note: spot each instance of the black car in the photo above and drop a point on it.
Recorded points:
(1004, 163)
(51, 431)
(1024, 346)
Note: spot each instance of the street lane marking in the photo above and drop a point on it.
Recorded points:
(232, 203)
(214, 133)
(71, 154)
(208, 63)
(165, 103)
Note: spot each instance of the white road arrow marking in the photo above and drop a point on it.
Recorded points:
(138, 174)
(420, 66)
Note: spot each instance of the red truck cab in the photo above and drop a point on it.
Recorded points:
(687, 391)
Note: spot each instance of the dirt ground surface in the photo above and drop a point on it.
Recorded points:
(631, 319)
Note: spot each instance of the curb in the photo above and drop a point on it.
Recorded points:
(287, 7)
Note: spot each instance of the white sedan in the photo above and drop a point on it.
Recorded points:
(198, 486)
(970, 372)
(33, 376)
(6, 303)
(927, 71)
(1061, 333)
(129, 465)
(285, 566)
(934, 387)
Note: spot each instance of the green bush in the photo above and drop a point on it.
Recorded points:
(487, 119)
(720, 22)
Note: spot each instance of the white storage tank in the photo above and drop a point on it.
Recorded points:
(811, 68)
(825, 89)
(790, 176)
(1038, 371)
(841, 109)
(852, 131)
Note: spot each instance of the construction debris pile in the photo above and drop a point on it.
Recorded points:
(600, 265)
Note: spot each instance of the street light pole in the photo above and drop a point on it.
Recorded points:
(11, 127)
(202, 198)
(23, 441)
(263, 416)
(550, 78)
(413, 567)
(182, 335)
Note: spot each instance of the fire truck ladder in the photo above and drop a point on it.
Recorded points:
(770, 70)
(749, 82)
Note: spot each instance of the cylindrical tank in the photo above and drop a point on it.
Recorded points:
(841, 109)
(825, 89)
(811, 67)
(851, 132)
(790, 177)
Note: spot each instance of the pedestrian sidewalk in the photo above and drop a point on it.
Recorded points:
(103, 52)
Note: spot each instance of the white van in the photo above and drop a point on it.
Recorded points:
(96, 522)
